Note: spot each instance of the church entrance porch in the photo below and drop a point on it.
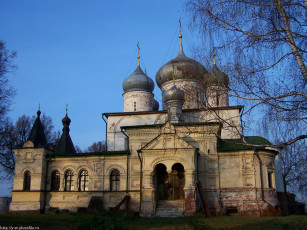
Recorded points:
(169, 193)
(169, 186)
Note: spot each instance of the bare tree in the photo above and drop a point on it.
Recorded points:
(78, 149)
(15, 135)
(98, 146)
(6, 92)
(264, 46)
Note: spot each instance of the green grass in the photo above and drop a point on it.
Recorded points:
(130, 221)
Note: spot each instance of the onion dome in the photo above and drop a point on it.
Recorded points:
(65, 145)
(182, 67)
(216, 76)
(138, 81)
(174, 94)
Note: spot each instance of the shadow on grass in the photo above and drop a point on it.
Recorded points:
(127, 220)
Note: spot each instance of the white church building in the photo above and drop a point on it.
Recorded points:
(187, 156)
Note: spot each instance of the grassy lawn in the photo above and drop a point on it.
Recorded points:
(130, 221)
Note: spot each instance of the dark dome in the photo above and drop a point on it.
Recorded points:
(182, 67)
(217, 77)
(138, 81)
(156, 106)
(174, 94)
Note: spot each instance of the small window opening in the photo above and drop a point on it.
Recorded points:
(27, 181)
(115, 180)
(270, 180)
(83, 180)
(208, 151)
(134, 106)
(55, 181)
(69, 181)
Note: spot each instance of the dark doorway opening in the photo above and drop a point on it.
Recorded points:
(161, 178)
(169, 186)
(177, 182)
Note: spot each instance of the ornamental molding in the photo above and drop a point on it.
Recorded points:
(173, 159)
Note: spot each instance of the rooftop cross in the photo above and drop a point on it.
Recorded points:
(180, 37)
(138, 57)
(180, 25)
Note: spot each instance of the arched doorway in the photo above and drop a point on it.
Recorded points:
(160, 182)
(177, 182)
(169, 186)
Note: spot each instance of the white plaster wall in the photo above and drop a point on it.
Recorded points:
(217, 96)
(117, 140)
(193, 93)
(143, 101)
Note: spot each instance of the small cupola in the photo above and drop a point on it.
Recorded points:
(65, 145)
(138, 81)
(217, 87)
(174, 99)
(216, 76)
(138, 88)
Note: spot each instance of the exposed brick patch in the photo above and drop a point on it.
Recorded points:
(190, 206)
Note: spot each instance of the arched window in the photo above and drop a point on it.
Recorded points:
(114, 180)
(27, 181)
(69, 180)
(83, 180)
(55, 181)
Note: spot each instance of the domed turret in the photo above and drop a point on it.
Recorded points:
(182, 67)
(138, 89)
(65, 145)
(138, 81)
(216, 76)
(174, 99)
(189, 75)
(217, 87)
(174, 94)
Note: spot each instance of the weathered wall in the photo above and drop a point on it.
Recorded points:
(193, 93)
(138, 101)
(217, 96)
(117, 140)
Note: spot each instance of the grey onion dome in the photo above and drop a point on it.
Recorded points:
(138, 81)
(182, 67)
(217, 77)
(174, 94)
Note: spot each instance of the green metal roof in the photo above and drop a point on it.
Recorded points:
(252, 142)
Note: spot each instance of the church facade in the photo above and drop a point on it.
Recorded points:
(168, 162)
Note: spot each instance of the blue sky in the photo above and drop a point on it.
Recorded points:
(79, 52)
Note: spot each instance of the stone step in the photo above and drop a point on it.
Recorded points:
(170, 208)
